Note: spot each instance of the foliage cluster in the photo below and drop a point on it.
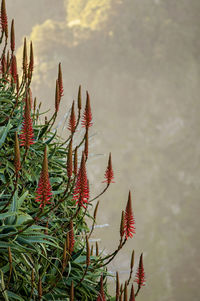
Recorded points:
(45, 251)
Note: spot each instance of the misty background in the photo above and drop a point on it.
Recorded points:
(140, 62)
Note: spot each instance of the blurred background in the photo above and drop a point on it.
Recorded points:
(140, 62)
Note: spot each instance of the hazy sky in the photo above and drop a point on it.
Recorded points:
(140, 61)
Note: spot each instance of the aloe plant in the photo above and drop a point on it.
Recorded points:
(45, 251)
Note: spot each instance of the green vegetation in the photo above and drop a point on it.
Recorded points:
(45, 251)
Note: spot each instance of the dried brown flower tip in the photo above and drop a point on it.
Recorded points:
(79, 98)
(31, 63)
(117, 287)
(125, 292)
(60, 81)
(97, 249)
(25, 60)
(122, 225)
(132, 259)
(132, 296)
(57, 97)
(12, 36)
(91, 250)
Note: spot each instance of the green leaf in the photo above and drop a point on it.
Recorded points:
(3, 287)
(6, 214)
(4, 133)
(14, 296)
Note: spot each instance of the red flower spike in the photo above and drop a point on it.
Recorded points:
(86, 144)
(140, 275)
(43, 192)
(3, 65)
(69, 161)
(81, 190)
(27, 134)
(57, 97)
(87, 116)
(101, 296)
(14, 68)
(25, 61)
(17, 162)
(129, 219)
(72, 120)
(109, 175)
(31, 63)
(71, 237)
(12, 37)
(4, 19)
(60, 81)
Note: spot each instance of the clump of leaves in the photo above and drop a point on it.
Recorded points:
(45, 251)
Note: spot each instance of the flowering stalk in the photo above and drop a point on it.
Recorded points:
(13, 68)
(132, 296)
(87, 116)
(4, 19)
(94, 219)
(31, 63)
(30, 97)
(129, 228)
(109, 175)
(60, 81)
(3, 65)
(71, 298)
(81, 190)
(25, 60)
(71, 237)
(39, 288)
(131, 267)
(86, 144)
(27, 134)
(140, 275)
(75, 161)
(43, 193)
(101, 296)
(72, 120)
(69, 161)
(57, 97)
